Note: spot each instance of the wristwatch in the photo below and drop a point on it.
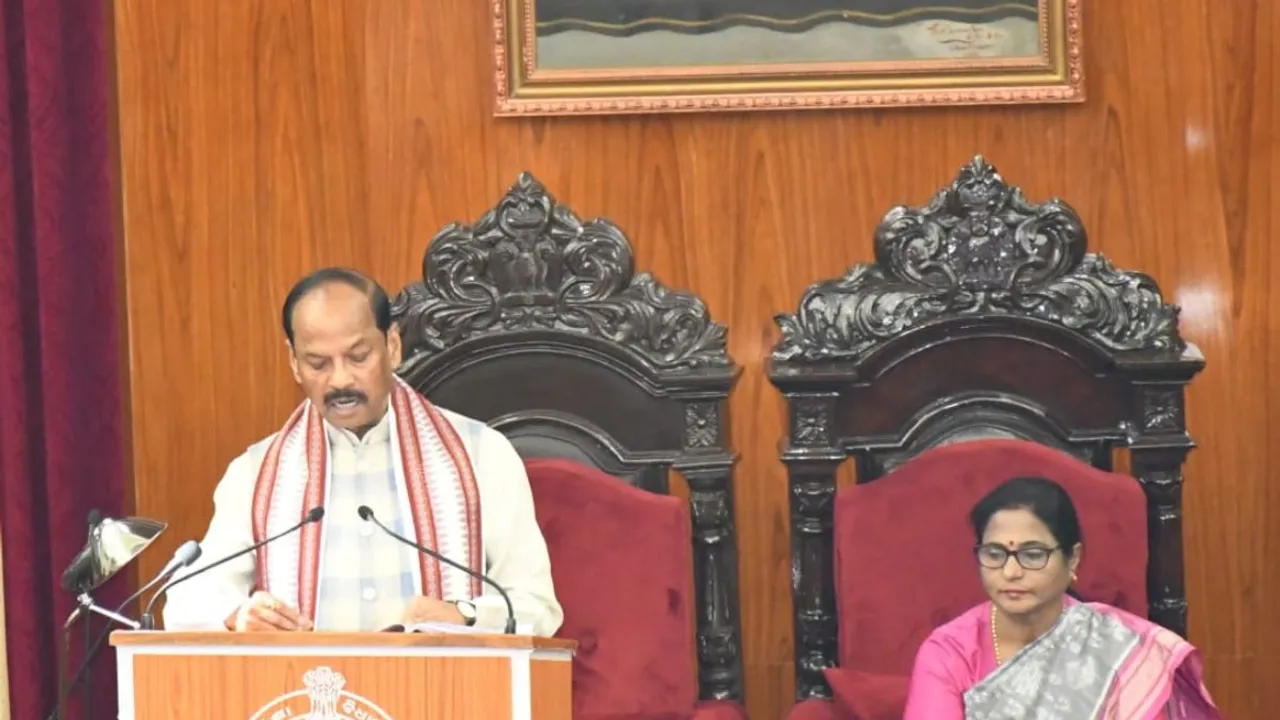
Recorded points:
(467, 610)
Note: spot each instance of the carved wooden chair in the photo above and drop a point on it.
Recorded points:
(982, 317)
(604, 380)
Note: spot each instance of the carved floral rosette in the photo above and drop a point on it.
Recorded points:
(532, 264)
(979, 247)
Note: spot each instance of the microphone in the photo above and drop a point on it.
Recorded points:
(367, 515)
(188, 553)
(148, 619)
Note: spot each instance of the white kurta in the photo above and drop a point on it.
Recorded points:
(362, 569)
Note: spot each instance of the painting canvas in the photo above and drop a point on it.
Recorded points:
(602, 56)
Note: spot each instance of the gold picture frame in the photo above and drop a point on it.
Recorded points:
(926, 53)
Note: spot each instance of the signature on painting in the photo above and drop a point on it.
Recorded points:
(966, 40)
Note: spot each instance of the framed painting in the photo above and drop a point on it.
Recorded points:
(572, 57)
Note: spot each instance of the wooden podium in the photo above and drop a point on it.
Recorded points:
(342, 676)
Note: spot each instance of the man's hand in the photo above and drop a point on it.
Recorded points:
(262, 612)
(427, 610)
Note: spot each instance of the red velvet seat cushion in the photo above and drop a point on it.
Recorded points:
(863, 695)
(903, 547)
(622, 563)
(857, 695)
(817, 709)
(719, 710)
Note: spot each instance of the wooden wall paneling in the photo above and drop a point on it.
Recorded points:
(263, 138)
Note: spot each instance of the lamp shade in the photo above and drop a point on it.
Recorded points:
(112, 544)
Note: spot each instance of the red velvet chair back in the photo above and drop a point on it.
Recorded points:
(903, 544)
(623, 573)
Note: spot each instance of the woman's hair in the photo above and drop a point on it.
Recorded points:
(1041, 497)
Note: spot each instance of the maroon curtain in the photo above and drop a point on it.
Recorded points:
(61, 396)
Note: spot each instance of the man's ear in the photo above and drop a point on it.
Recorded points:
(394, 347)
(293, 361)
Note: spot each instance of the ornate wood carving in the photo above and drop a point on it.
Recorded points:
(983, 315)
(531, 264)
(538, 323)
(1159, 450)
(979, 248)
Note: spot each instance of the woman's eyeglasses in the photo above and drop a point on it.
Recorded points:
(995, 557)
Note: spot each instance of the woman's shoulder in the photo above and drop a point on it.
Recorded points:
(1124, 616)
(976, 617)
(963, 634)
(1130, 620)
(956, 648)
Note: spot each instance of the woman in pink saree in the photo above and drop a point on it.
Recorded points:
(1036, 652)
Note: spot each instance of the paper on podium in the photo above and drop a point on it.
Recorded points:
(438, 627)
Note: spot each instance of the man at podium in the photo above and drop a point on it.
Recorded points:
(365, 439)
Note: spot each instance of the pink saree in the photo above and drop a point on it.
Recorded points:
(1097, 663)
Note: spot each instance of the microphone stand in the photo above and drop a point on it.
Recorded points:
(85, 606)
(367, 515)
(92, 645)
(60, 709)
(86, 602)
(315, 514)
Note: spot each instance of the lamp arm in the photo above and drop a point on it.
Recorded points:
(87, 603)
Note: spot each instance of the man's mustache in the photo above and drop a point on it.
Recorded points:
(339, 395)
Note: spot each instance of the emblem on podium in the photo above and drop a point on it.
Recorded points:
(325, 698)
